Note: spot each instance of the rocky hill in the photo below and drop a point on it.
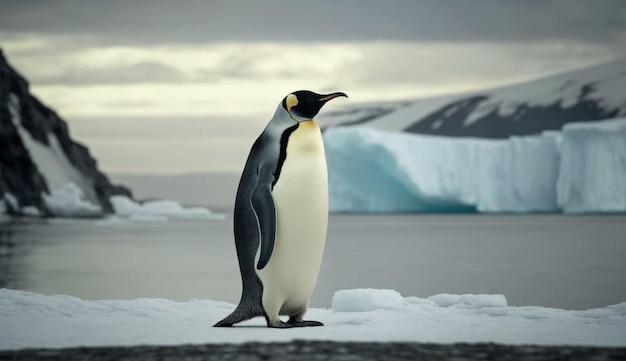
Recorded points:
(38, 156)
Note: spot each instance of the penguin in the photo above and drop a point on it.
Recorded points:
(281, 215)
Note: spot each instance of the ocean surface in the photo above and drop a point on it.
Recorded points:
(571, 262)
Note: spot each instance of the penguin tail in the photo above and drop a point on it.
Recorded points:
(241, 313)
(225, 322)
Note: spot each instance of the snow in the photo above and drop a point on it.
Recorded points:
(367, 300)
(608, 86)
(69, 201)
(30, 211)
(396, 116)
(468, 301)
(608, 81)
(154, 211)
(379, 171)
(32, 320)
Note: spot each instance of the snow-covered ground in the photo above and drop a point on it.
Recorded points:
(31, 320)
(581, 169)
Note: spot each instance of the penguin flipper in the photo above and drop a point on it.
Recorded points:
(265, 212)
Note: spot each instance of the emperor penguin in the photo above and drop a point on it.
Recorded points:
(281, 215)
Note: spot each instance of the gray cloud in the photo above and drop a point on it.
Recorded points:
(144, 72)
(197, 21)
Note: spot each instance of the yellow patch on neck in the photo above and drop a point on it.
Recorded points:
(291, 101)
(306, 138)
(308, 125)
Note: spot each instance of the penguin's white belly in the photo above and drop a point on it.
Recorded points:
(301, 200)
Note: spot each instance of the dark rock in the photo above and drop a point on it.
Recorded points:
(525, 120)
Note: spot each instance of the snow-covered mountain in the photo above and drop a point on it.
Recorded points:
(560, 146)
(42, 169)
(584, 95)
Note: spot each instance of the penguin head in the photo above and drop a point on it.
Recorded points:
(303, 105)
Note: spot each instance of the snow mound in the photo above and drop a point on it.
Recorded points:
(470, 301)
(362, 299)
(33, 320)
(379, 171)
(157, 211)
(69, 201)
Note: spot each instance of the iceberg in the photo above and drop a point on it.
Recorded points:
(155, 211)
(32, 320)
(581, 169)
(69, 201)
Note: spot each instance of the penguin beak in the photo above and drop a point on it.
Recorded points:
(326, 97)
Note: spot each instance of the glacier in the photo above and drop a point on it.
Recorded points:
(577, 170)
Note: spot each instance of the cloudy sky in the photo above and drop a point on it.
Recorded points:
(167, 86)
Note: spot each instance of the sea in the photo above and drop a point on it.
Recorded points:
(550, 260)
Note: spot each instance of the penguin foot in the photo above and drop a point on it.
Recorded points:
(295, 323)
(279, 324)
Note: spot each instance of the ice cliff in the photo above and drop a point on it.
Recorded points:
(42, 169)
(580, 169)
(540, 146)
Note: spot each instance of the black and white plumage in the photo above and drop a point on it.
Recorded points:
(281, 215)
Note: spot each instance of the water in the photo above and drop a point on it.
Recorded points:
(572, 262)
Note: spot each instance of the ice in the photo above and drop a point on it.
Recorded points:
(155, 211)
(592, 175)
(362, 299)
(30, 211)
(69, 201)
(124, 206)
(33, 320)
(381, 171)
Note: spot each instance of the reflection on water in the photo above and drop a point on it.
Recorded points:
(14, 245)
(548, 260)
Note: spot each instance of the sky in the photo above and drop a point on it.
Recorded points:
(170, 87)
